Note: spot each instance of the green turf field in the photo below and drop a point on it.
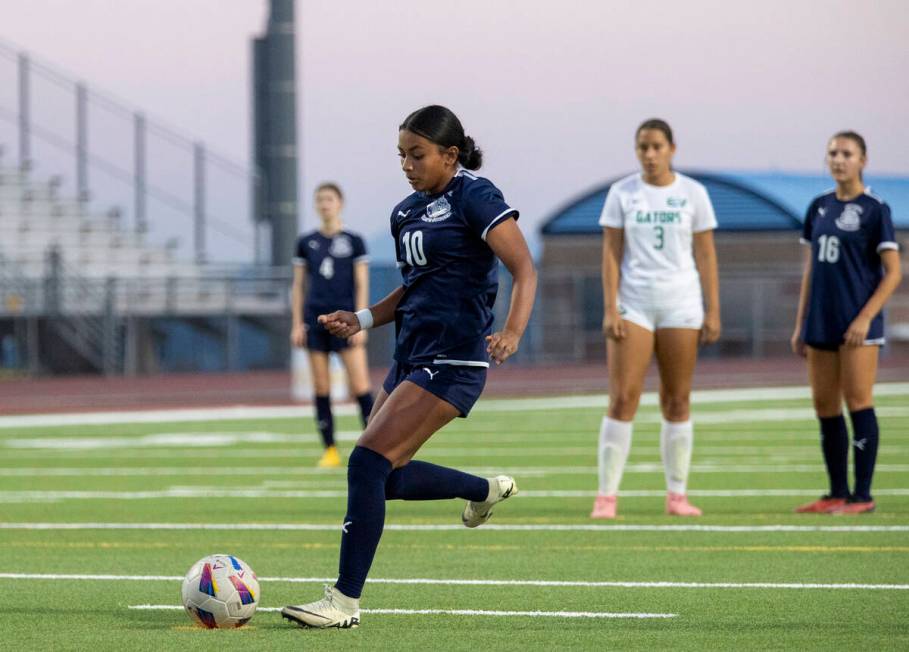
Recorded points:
(749, 582)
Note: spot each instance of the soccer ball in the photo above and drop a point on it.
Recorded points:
(220, 591)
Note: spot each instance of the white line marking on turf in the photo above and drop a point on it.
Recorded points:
(171, 439)
(208, 492)
(454, 612)
(189, 471)
(411, 581)
(506, 405)
(440, 527)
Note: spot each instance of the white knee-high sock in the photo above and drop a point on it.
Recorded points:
(615, 442)
(676, 442)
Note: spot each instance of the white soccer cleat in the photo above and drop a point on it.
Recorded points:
(500, 488)
(333, 610)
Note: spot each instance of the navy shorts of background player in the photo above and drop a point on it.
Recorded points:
(329, 262)
(450, 280)
(846, 239)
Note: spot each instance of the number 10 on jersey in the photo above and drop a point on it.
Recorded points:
(413, 248)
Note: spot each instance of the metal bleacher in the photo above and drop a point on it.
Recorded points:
(84, 275)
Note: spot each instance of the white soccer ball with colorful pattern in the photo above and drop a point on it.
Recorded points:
(220, 591)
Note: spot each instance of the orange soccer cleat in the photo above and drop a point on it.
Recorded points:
(853, 506)
(823, 505)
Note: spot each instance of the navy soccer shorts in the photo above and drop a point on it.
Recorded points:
(319, 339)
(460, 386)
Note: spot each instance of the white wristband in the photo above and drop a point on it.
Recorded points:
(365, 318)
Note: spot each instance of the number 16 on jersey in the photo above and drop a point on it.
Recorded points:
(828, 249)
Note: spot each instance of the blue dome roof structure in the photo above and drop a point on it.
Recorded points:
(747, 201)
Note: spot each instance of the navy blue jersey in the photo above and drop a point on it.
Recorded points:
(450, 273)
(330, 263)
(846, 238)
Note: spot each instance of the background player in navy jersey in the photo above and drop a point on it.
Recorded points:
(331, 272)
(851, 270)
(449, 236)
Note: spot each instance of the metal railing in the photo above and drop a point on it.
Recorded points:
(158, 178)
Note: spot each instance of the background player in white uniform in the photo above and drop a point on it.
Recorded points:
(331, 272)
(852, 266)
(652, 289)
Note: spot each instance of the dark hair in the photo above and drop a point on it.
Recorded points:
(659, 125)
(854, 137)
(330, 185)
(439, 125)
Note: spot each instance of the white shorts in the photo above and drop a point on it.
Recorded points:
(653, 317)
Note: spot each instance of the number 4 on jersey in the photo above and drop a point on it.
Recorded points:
(327, 268)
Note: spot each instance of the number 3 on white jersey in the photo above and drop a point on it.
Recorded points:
(413, 248)
(828, 248)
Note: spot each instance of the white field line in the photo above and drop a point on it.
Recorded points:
(484, 582)
(454, 612)
(507, 405)
(440, 450)
(445, 527)
(189, 472)
(191, 492)
(168, 439)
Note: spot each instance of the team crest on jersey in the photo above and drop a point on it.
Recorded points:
(341, 247)
(851, 218)
(676, 202)
(437, 211)
(313, 244)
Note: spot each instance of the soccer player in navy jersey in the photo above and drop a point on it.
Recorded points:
(331, 272)
(449, 236)
(851, 269)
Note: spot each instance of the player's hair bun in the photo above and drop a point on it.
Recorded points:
(441, 126)
(469, 155)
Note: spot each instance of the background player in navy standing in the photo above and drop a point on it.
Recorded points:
(449, 236)
(331, 272)
(851, 269)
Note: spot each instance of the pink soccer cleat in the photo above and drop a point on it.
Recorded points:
(604, 506)
(678, 505)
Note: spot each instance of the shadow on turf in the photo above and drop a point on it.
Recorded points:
(179, 621)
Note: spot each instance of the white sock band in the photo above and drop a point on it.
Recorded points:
(676, 442)
(615, 442)
(365, 318)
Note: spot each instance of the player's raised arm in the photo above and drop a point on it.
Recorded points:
(507, 242)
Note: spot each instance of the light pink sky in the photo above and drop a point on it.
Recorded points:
(552, 91)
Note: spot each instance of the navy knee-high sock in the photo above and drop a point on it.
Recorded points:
(865, 437)
(367, 473)
(835, 444)
(325, 422)
(365, 401)
(424, 481)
